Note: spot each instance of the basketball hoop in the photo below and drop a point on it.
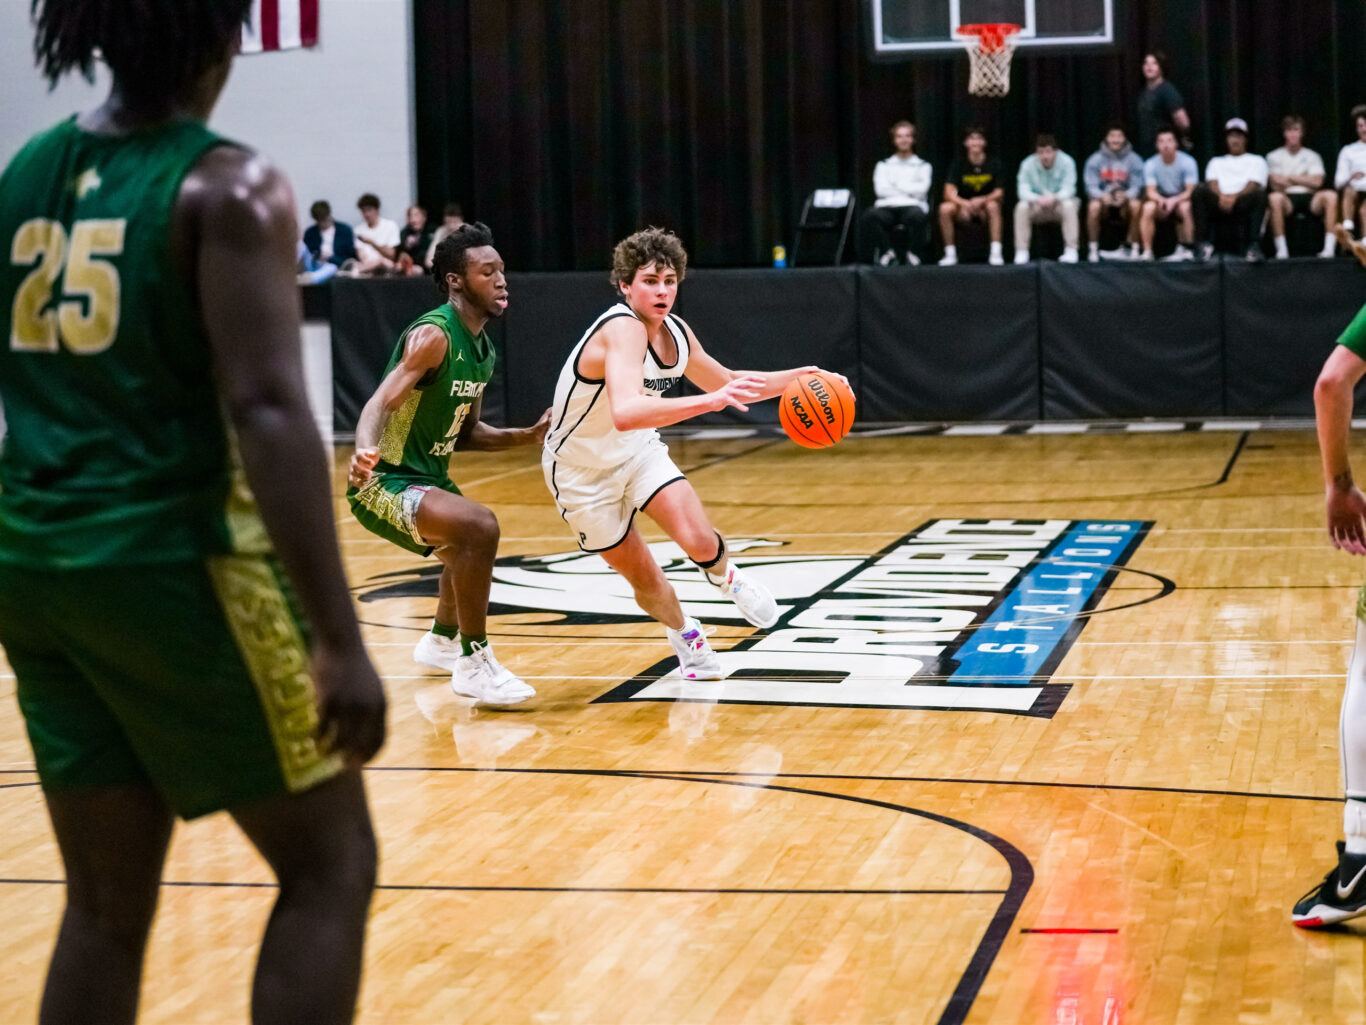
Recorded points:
(990, 48)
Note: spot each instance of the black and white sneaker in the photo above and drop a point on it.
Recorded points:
(1341, 895)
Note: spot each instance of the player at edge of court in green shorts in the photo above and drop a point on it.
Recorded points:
(172, 599)
(427, 406)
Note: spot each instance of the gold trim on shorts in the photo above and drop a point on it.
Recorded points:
(398, 510)
(276, 657)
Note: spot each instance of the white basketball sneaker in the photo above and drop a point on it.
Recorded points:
(696, 660)
(479, 675)
(437, 651)
(750, 597)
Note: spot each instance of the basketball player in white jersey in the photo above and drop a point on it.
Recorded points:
(604, 461)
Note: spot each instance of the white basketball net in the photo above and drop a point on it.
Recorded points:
(990, 48)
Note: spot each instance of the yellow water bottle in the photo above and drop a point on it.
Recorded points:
(780, 256)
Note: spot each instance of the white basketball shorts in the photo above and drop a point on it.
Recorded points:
(599, 504)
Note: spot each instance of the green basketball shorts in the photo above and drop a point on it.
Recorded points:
(192, 677)
(387, 506)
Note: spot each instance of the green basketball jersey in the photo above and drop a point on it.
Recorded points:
(117, 452)
(420, 437)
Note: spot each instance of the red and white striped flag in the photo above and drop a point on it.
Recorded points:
(280, 25)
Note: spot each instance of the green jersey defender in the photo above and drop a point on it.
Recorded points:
(426, 407)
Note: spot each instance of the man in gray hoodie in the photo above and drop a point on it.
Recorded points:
(1114, 179)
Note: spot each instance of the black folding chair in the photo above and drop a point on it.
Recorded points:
(825, 218)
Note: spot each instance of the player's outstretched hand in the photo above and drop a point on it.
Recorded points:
(1347, 519)
(540, 427)
(362, 466)
(351, 703)
(738, 391)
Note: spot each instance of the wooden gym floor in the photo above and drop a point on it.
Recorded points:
(1127, 853)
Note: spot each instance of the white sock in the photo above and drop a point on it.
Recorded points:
(1354, 826)
(951, 251)
(1348, 226)
(996, 249)
(1352, 745)
(1330, 243)
(1093, 247)
(1281, 248)
(1147, 252)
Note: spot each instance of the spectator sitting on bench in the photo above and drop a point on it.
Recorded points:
(1169, 180)
(452, 216)
(1046, 187)
(1114, 176)
(376, 238)
(328, 241)
(972, 192)
(898, 223)
(1234, 190)
(1350, 176)
(1295, 185)
(413, 241)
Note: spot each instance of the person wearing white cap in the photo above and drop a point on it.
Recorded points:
(1350, 176)
(1234, 189)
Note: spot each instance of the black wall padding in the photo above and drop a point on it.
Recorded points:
(1280, 322)
(772, 320)
(368, 315)
(1131, 340)
(952, 343)
(547, 314)
(929, 343)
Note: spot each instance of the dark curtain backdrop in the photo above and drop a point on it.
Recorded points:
(566, 124)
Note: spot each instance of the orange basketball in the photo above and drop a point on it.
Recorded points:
(817, 409)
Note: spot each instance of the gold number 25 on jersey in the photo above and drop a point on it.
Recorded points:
(86, 328)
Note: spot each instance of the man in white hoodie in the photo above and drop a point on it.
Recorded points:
(897, 224)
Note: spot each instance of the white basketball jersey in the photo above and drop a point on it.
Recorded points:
(581, 431)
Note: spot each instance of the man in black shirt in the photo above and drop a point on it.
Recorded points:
(1159, 103)
(972, 192)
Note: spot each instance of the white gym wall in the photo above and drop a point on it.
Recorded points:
(338, 117)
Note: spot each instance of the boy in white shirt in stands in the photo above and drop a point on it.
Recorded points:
(1295, 183)
(1350, 177)
(899, 221)
(376, 237)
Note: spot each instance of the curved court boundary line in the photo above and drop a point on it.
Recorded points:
(969, 983)
(1021, 879)
(852, 777)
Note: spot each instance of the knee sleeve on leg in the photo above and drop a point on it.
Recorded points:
(707, 567)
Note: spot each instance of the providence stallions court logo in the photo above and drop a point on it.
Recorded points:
(958, 614)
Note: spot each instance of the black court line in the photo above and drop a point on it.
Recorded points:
(1021, 879)
(718, 460)
(864, 779)
(684, 890)
(969, 983)
(1228, 467)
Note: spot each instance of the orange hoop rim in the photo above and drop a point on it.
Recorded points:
(991, 36)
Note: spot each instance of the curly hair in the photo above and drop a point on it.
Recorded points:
(453, 251)
(154, 48)
(651, 245)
